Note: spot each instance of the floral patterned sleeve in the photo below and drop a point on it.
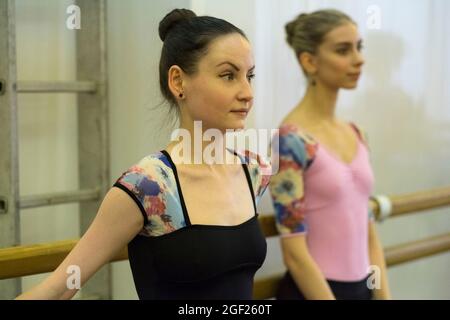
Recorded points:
(147, 183)
(140, 187)
(296, 153)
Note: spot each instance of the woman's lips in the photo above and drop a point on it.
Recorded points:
(242, 113)
(354, 75)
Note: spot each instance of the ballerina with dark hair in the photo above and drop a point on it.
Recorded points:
(191, 229)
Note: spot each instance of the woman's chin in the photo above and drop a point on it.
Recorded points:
(350, 86)
(237, 126)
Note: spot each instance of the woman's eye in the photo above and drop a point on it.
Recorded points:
(360, 47)
(228, 76)
(341, 51)
(250, 77)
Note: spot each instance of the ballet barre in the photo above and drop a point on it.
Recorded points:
(33, 259)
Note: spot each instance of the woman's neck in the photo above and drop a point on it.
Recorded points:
(319, 104)
(190, 145)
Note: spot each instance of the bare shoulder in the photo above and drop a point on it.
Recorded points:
(294, 117)
(298, 119)
(360, 131)
(298, 125)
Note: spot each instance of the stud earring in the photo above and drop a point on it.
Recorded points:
(311, 79)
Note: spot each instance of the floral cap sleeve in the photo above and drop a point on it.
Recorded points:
(296, 153)
(151, 184)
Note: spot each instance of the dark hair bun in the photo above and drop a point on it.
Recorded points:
(173, 18)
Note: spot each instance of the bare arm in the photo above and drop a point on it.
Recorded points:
(377, 258)
(304, 270)
(117, 222)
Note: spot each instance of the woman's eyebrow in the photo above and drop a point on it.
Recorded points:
(234, 66)
(346, 43)
(231, 64)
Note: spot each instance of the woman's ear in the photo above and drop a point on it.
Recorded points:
(176, 78)
(309, 63)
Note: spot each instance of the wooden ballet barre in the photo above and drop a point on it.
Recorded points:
(401, 205)
(39, 258)
(266, 287)
(420, 201)
(35, 259)
(414, 250)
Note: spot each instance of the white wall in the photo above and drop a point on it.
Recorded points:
(402, 101)
(48, 155)
(137, 120)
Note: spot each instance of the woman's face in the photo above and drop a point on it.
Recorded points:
(339, 58)
(220, 93)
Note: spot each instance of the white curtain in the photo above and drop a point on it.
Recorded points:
(402, 101)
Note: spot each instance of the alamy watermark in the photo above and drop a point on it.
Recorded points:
(374, 17)
(374, 279)
(213, 146)
(73, 21)
(74, 279)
